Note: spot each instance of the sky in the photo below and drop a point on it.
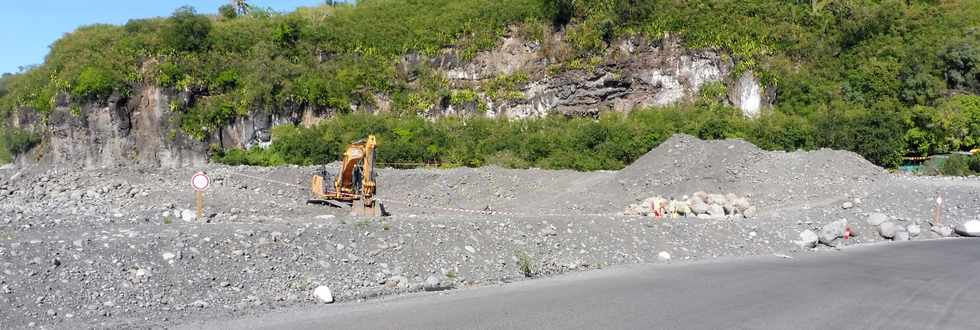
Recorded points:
(29, 27)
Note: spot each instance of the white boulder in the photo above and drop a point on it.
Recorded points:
(323, 294)
(970, 228)
(887, 229)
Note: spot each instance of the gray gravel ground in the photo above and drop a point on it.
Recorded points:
(109, 248)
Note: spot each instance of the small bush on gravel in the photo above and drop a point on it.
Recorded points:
(955, 165)
(254, 156)
(975, 164)
(524, 263)
(15, 142)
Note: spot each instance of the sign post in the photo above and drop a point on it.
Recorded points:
(939, 206)
(200, 181)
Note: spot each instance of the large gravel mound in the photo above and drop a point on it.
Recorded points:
(680, 166)
(684, 164)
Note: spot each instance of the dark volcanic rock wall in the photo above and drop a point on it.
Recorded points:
(139, 129)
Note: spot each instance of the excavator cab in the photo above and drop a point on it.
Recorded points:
(354, 185)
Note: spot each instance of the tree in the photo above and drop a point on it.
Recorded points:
(561, 12)
(962, 63)
(93, 84)
(242, 6)
(228, 11)
(287, 32)
(187, 31)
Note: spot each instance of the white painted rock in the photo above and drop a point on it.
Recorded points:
(663, 256)
(970, 228)
(323, 294)
(187, 215)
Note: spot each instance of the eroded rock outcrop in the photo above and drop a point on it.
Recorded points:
(635, 73)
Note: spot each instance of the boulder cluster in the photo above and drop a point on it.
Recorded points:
(699, 204)
(887, 228)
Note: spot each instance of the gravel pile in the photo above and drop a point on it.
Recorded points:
(118, 247)
(684, 164)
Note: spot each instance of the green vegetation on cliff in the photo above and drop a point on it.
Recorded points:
(884, 78)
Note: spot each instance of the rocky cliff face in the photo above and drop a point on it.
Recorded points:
(143, 129)
(140, 129)
(635, 73)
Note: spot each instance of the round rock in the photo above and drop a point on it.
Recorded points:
(914, 230)
(832, 231)
(698, 207)
(433, 283)
(902, 235)
(808, 239)
(716, 211)
(887, 229)
(876, 219)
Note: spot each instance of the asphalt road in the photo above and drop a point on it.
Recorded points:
(910, 285)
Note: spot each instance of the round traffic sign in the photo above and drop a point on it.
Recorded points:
(200, 181)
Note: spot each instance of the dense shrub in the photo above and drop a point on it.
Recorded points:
(16, 141)
(94, 84)
(953, 165)
(227, 11)
(255, 156)
(187, 31)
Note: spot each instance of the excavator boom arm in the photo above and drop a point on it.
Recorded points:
(360, 154)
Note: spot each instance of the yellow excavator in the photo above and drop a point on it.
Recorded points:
(354, 185)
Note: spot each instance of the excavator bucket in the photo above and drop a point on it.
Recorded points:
(371, 208)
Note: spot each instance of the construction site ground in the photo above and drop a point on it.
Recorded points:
(120, 247)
